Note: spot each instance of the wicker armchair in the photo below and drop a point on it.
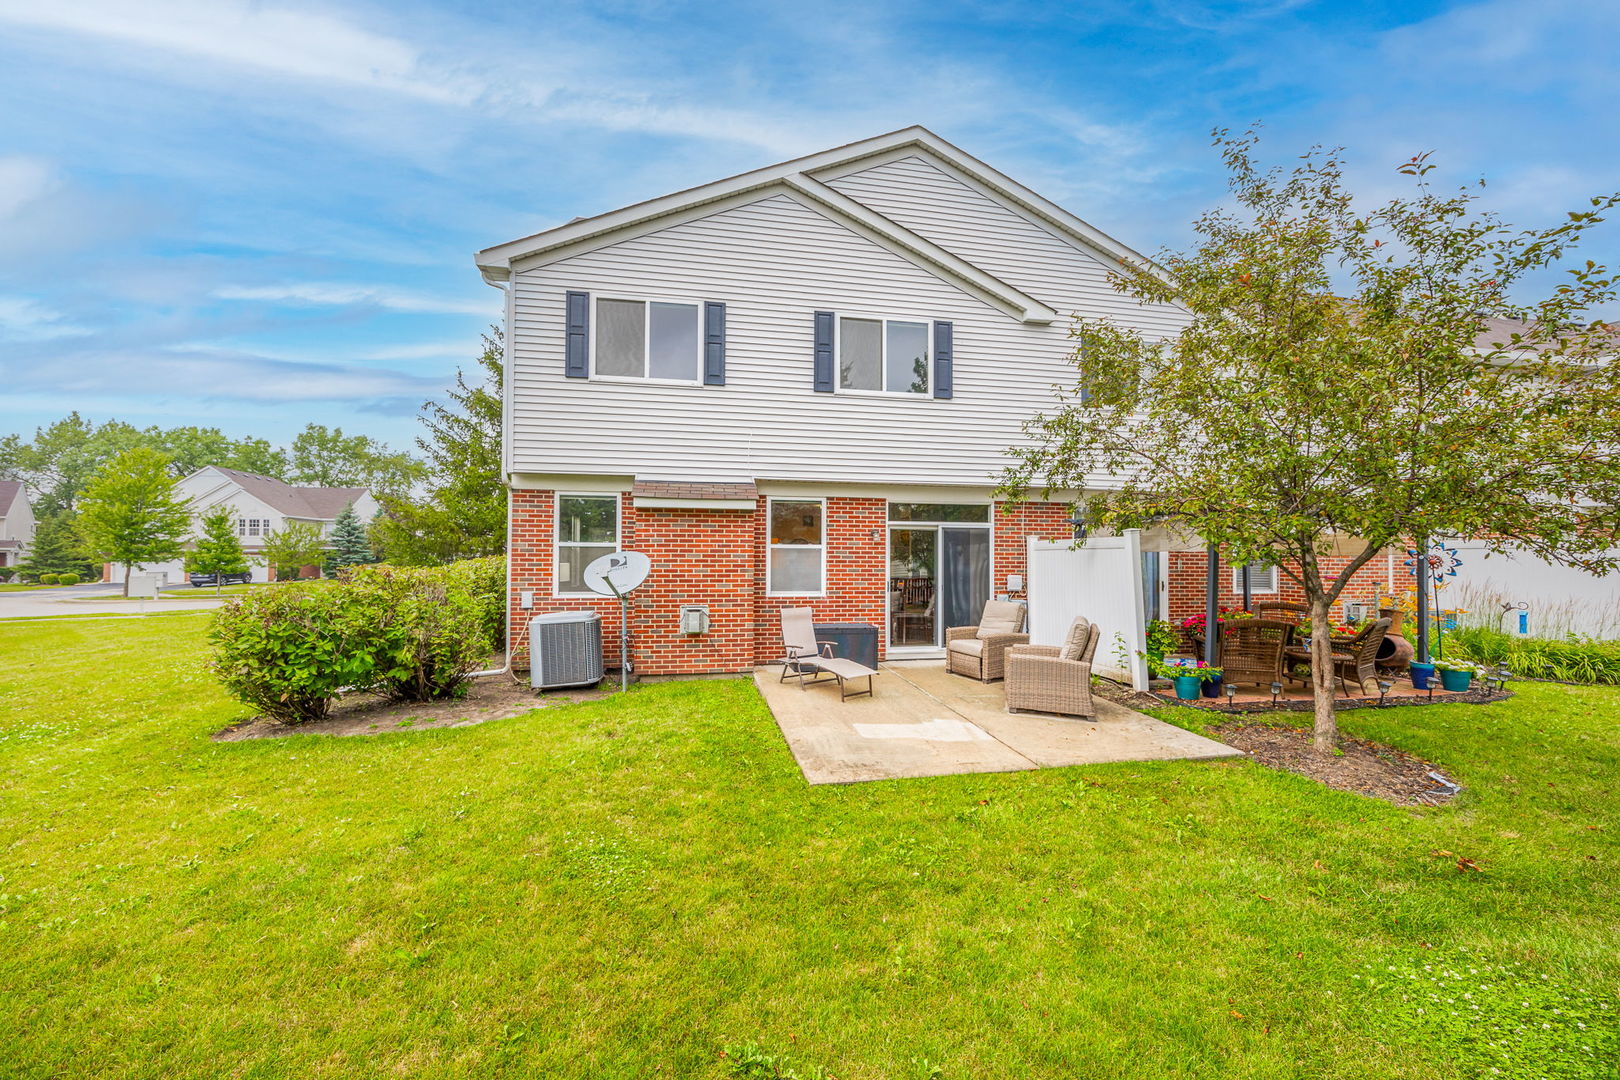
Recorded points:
(1292, 610)
(1054, 679)
(1252, 650)
(1359, 656)
(979, 652)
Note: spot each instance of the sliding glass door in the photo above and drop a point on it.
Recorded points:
(939, 571)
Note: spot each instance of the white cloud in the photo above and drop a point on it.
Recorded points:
(337, 294)
(23, 180)
(24, 319)
(278, 40)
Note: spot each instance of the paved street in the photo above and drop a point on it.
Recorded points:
(97, 599)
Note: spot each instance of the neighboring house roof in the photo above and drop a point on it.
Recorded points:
(800, 178)
(9, 490)
(319, 503)
(10, 545)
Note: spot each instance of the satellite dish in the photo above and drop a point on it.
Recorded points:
(618, 573)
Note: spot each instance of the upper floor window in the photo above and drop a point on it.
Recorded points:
(587, 529)
(252, 526)
(883, 354)
(648, 339)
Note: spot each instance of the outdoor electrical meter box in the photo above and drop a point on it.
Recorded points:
(694, 619)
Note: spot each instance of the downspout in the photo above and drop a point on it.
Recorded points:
(506, 401)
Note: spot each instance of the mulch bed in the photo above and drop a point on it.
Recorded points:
(1365, 768)
(492, 697)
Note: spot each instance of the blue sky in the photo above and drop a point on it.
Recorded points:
(254, 215)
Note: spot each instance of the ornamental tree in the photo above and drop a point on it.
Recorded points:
(1349, 379)
(218, 550)
(129, 512)
(294, 546)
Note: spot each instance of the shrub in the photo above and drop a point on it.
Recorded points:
(1570, 659)
(289, 652)
(48, 579)
(67, 579)
(425, 628)
(485, 579)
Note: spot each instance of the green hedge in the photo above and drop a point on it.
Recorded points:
(409, 633)
(1570, 659)
(67, 579)
(48, 579)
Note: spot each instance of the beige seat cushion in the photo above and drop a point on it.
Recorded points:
(1079, 636)
(968, 646)
(1001, 617)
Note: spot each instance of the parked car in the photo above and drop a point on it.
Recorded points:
(199, 580)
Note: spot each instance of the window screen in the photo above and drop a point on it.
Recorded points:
(860, 354)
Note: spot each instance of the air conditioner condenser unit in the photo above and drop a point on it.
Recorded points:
(565, 649)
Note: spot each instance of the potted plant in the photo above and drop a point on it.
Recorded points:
(1189, 676)
(1421, 674)
(1457, 675)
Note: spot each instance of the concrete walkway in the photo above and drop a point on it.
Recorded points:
(924, 721)
(95, 598)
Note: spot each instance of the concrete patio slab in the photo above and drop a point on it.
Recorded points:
(924, 721)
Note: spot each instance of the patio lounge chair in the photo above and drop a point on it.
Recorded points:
(1358, 657)
(1252, 650)
(803, 655)
(980, 651)
(1054, 679)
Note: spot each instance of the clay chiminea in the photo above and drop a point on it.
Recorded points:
(1396, 651)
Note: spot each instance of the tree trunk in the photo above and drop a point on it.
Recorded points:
(1326, 728)
(126, 581)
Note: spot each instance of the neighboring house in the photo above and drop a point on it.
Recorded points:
(263, 505)
(16, 523)
(797, 386)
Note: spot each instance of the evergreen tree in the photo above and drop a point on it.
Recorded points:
(463, 513)
(55, 550)
(130, 514)
(350, 545)
(218, 550)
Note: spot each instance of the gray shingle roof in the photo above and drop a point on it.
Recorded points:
(320, 503)
(8, 494)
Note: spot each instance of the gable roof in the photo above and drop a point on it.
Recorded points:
(320, 503)
(799, 178)
(9, 490)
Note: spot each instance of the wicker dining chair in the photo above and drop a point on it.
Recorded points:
(1293, 610)
(1252, 650)
(1359, 656)
(980, 652)
(1051, 678)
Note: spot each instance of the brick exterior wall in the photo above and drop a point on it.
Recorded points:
(718, 558)
(1186, 570)
(1014, 524)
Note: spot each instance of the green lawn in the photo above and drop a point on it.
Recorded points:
(623, 888)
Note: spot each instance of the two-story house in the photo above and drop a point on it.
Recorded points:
(797, 386)
(263, 505)
(16, 523)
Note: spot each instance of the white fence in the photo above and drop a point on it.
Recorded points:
(1101, 580)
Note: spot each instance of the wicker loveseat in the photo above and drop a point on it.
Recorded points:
(979, 652)
(1054, 679)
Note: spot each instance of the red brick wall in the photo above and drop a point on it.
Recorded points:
(718, 558)
(1186, 580)
(857, 574)
(1014, 524)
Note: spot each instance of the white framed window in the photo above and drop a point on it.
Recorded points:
(660, 340)
(885, 355)
(796, 551)
(252, 526)
(1262, 578)
(587, 529)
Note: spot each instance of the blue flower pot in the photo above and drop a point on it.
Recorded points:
(1212, 688)
(1186, 687)
(1421, 674)
(1456, 681)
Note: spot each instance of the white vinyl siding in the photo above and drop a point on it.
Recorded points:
(778, 261)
